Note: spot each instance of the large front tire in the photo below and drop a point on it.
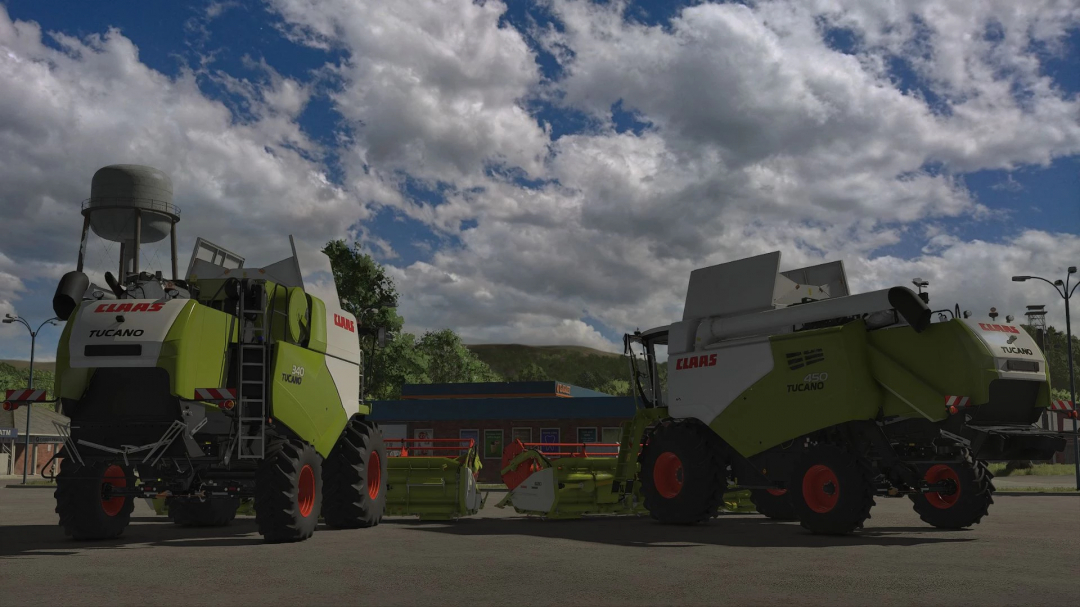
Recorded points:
(683, 473)
(964, 507)
(832, 490)
(288, 492)
(86, 513)
(354, 478)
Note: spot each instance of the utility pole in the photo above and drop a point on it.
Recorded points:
(1062, 288)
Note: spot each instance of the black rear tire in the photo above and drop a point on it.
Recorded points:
(832, 490)
(683, 472)
(776, 507)
(80, 490)
(354, 478)
(214, 512)
(966, 507)
(288, 492)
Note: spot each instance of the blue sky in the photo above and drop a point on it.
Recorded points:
(550, 172)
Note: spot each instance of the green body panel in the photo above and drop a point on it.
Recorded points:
(788, 403)
(317, 330)
(68, 382)
(309, 403)
(921, 369)
(195, 349)
(432, 488)
(888, 372)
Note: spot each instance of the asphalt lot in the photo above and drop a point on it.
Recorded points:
(1025, 553)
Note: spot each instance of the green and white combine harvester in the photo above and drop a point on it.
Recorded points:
(815, 401)
(231, 383)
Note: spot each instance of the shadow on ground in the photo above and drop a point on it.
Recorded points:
(733, 530)
(144, 531)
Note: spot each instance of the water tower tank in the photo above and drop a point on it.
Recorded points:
(119, 192)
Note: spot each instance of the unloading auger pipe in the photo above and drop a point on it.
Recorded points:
(906, 303)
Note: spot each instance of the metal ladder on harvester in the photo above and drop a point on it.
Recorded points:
(253, 348)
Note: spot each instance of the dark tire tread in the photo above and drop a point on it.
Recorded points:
(78, 502)
(856, 477)
(277, 512)
(700, 449)
(346, 503)
(976, 496)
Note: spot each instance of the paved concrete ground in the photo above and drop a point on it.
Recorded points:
(1025, 553)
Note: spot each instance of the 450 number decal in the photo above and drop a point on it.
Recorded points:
(810, 383)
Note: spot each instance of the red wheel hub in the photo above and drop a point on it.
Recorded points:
(305, 496)
(374, 475)
(114, 477)
(668, 474)
(937, 474)
(777, 492)
(821, 489)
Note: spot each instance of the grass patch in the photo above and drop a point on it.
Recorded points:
(998, 469)
(1039, 490)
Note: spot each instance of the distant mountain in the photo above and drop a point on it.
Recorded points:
(25, 364)
(586, 367)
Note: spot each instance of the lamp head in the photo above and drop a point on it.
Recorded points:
(1072, 269)
(1020, 278)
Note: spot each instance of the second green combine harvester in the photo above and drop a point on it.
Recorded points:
(815, 400)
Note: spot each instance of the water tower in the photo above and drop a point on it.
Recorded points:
(132, 205)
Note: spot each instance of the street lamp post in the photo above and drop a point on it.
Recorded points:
(8, 319)
(1065, 292)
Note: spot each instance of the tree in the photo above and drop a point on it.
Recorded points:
(449, 361)
(367, 292)
(532, 372)
(399, 363)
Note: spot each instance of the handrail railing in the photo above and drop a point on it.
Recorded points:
(425, 447)
(583, 449)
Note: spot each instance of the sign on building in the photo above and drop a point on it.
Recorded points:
(7, 433)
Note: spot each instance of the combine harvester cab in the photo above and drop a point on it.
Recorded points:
(231, 383)
(818, 400)
(433, 479)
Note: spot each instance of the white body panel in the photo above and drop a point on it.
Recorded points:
(472, 493)
(702, 384)
(146, 323)
(341, 338)
(347, 380)
(1009, 342)
(537, 493)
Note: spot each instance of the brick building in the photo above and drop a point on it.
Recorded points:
(494, 414)
(45, 441)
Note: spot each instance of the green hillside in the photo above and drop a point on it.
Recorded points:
(593, 369)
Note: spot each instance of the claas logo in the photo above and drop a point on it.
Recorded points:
(345, 323)
(1002, 328)
(127, 307)
(705, 360)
